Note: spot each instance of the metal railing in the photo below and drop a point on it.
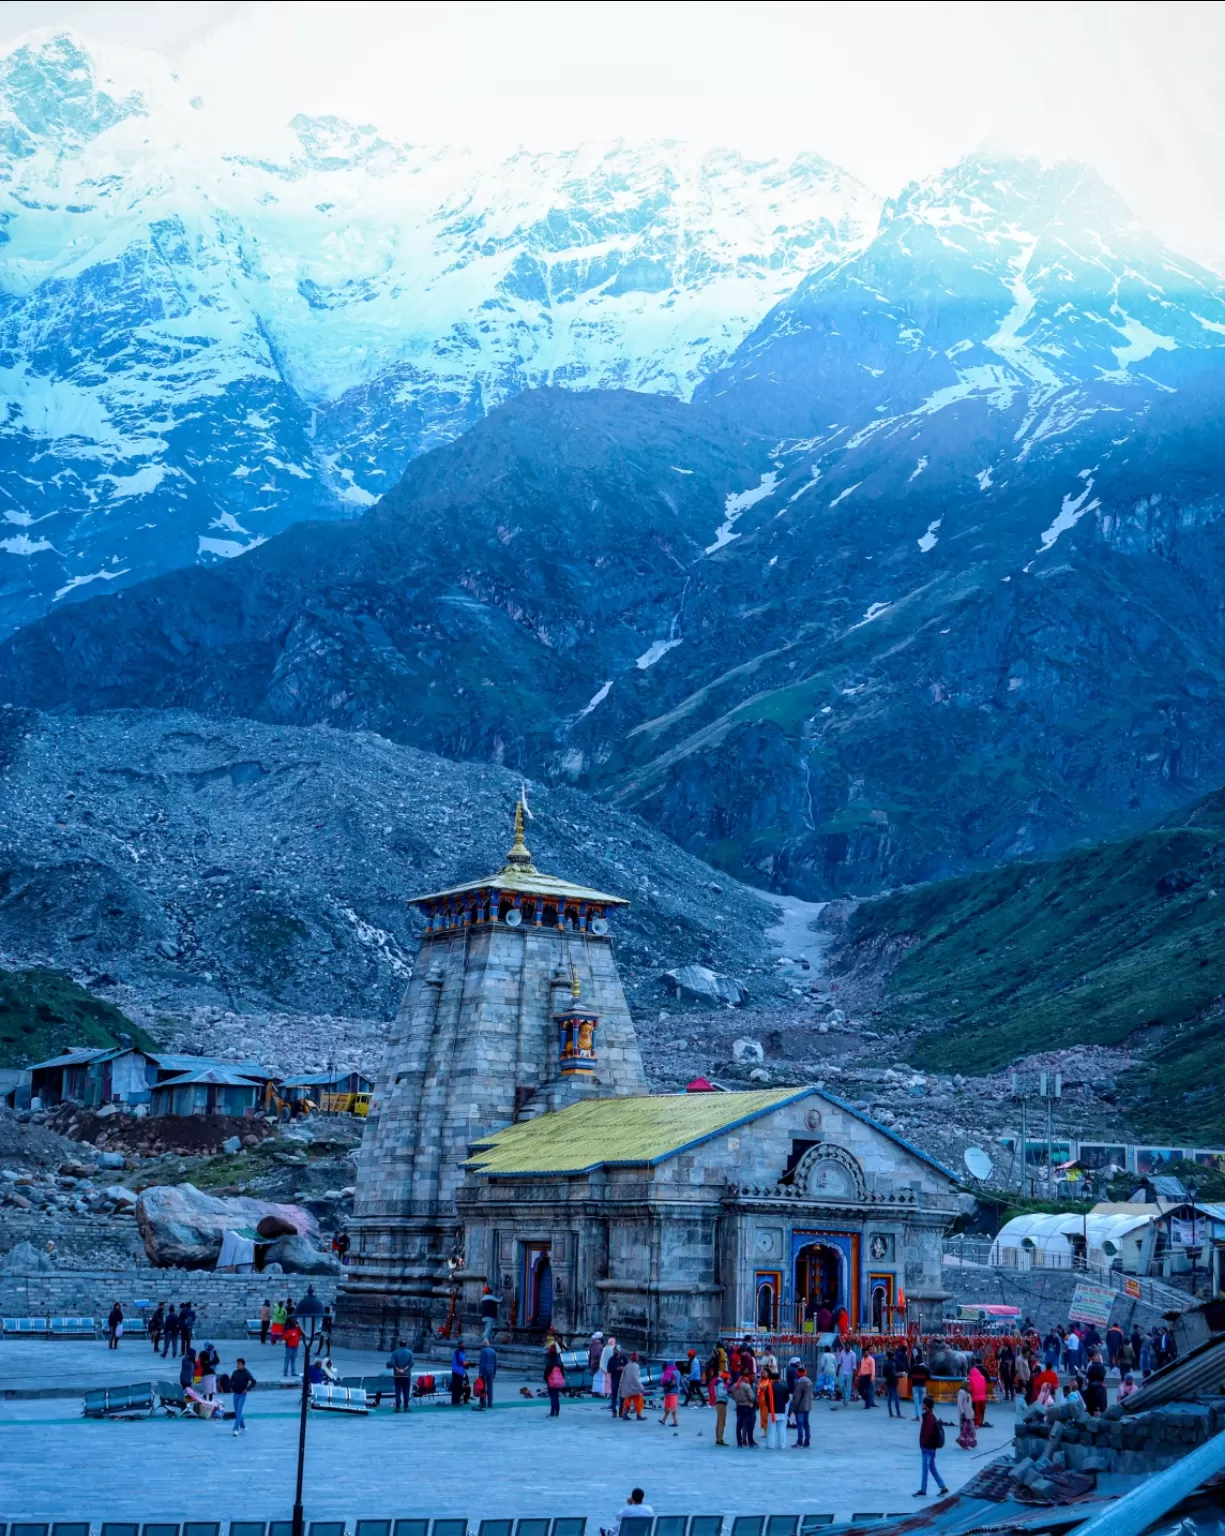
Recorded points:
(983, 1253)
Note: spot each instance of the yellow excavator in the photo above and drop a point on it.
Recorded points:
(282, 1108)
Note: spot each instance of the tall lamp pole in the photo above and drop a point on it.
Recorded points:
(309, 1312)
(1193, 1246)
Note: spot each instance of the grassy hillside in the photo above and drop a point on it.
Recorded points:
(41, 1012)
(1089, 947)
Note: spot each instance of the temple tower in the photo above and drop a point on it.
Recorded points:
(515, 1008)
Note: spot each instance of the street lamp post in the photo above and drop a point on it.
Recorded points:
(1193, 1246)
(309, 1311)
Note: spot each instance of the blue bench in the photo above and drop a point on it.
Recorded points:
(140, 1398)
(75, 1328)
(26, 1328)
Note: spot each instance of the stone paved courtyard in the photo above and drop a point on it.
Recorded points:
(438, 1461)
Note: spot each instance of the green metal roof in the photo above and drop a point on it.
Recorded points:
(620, 1131)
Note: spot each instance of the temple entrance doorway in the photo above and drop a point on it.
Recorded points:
(536, 1300)
(818, 1284)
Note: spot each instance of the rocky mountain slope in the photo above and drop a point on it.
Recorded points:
(203, 340)
(242, 888)
(824, 693)
(927, 578)
(1119, 946)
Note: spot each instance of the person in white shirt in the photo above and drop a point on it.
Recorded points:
(635, 1508)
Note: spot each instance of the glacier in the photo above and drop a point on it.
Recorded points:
(193, 326)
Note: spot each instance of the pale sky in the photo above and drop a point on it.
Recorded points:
(891, 92)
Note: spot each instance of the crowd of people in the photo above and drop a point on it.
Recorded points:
(1031, 1372)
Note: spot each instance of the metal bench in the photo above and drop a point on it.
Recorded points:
(327, 1528)
(671, 1525)
(135, 1327)
(140, 1399)
(570, 1525)
(748, 1525)
(120, 1528)
(636, 1525)
(25, 1328)
(532, 1526)
(809, 1523)
(782, 1525)
(706, 1525)
(376, 1387)
(75, 1328)
(160, 1528)
(450, 1528)
(202, 1528)
(329, 1399)
(254, 1329)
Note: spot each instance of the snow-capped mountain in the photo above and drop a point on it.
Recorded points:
(928, 577)
(202, 341)
(995, 280)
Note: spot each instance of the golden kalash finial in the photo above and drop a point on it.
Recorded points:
(576, 986)
(518, 855)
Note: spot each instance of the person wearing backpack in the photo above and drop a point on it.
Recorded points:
(487, 1365)
(719, 1389)
(554, 1380)
(931, 1439)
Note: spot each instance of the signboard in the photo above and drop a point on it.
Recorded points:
(1091, 1304)
(1131, 1288)
(1185, 1237)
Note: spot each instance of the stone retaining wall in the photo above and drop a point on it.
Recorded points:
(1139, 1443)
(1044, 1295)
(81, 1242)
(222, 1302)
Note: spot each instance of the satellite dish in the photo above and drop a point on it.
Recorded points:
(514, 917)
(599, 926)
(978, 1162)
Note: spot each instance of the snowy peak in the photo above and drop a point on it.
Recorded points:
(204, 340)
(998, 280)
(52, 93)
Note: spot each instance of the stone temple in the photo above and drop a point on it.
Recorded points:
(512, 1142)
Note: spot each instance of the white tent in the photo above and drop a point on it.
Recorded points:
(1119, 1236)
(237, 1250)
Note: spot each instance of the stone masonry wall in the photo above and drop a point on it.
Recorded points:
(1043, 1295)
(223, 1302)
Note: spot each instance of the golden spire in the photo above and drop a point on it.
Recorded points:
(576, 986)
(518, 855)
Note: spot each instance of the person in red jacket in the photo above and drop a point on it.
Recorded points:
(931, 1438)
(291, 1338)
(977, 1383)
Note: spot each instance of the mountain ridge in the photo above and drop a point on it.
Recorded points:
(203, 342)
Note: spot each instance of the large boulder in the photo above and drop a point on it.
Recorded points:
(702, 985)
(182, 1226)
(25, 1259)
(275, 1226)
(299, 1256)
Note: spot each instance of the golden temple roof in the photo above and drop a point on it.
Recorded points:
(620, 1131)
(520, 874)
